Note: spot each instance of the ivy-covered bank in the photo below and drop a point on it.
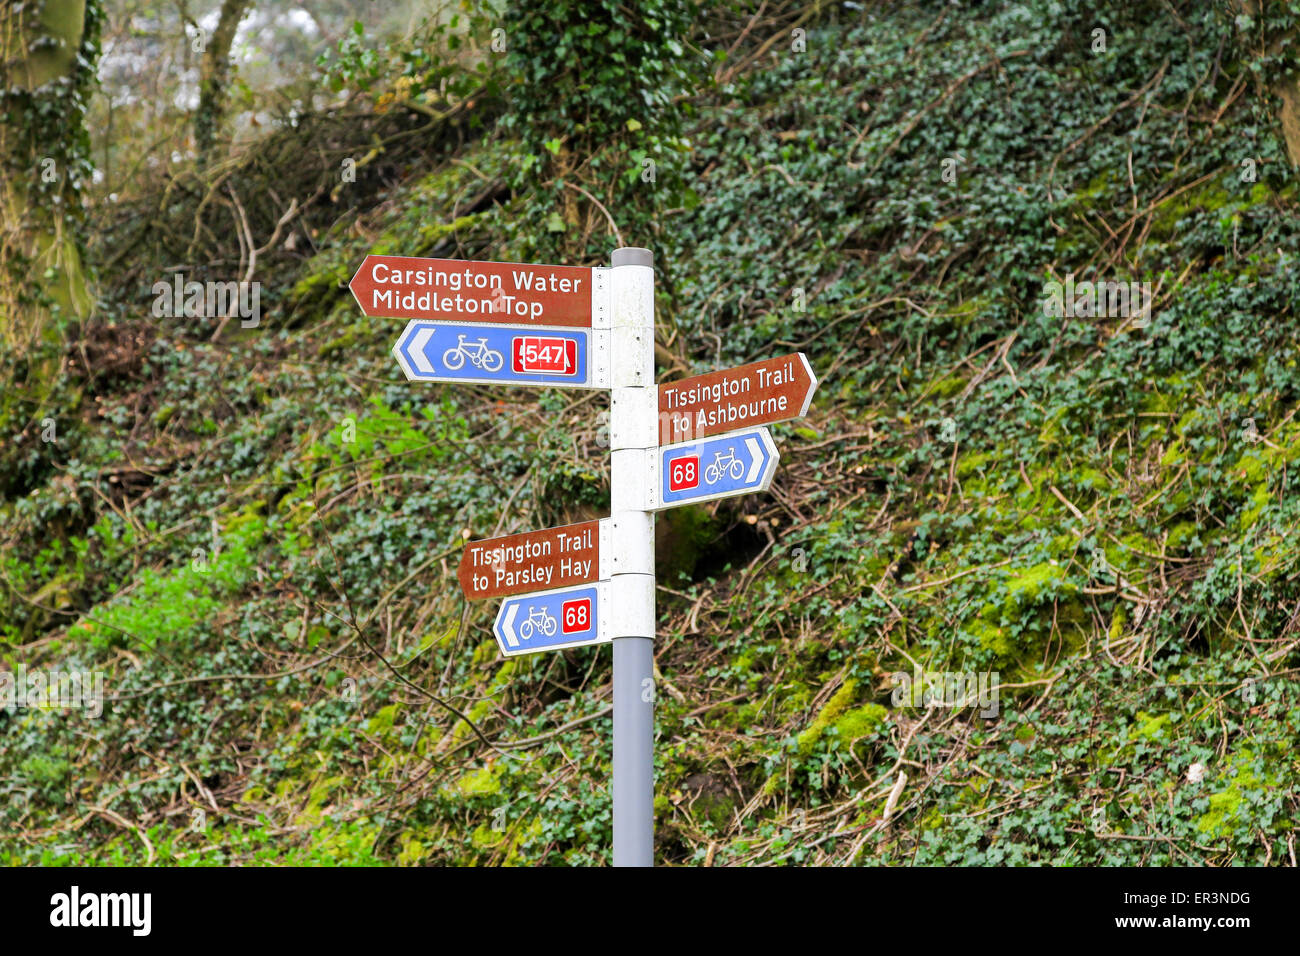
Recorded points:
(254, 538)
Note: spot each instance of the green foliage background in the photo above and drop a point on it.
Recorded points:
(256, 539)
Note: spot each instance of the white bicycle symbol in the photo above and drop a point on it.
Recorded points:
(538, 620)
(723, 464)
(478, 353)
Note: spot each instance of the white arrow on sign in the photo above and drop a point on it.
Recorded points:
(755, 459)
(508, 624)
(420, 360)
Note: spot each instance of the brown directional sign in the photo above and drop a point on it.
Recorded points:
(456, 290)
(532, 561)
(761, 393)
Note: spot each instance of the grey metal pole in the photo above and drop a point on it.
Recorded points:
(634, 441)
(634, 788)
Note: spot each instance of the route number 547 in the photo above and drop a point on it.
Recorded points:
(541, 355)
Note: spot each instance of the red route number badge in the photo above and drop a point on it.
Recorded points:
(544, 355)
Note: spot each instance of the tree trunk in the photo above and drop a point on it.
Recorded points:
(41, 90)
(214, 76)
(1288, 90)
(1285, 88)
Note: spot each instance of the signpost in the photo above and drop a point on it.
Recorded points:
(761, 393)
(533, 561)
(452, 290)
(500, 355)
(685, 442)
(735, 464)
(551, 620)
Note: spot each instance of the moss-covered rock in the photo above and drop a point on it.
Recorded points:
(849, 723)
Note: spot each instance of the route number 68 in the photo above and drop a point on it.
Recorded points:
(684, 473)
(576, 616)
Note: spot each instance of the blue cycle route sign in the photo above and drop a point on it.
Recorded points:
(495, 354)
(733, 464)
(550, 620)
